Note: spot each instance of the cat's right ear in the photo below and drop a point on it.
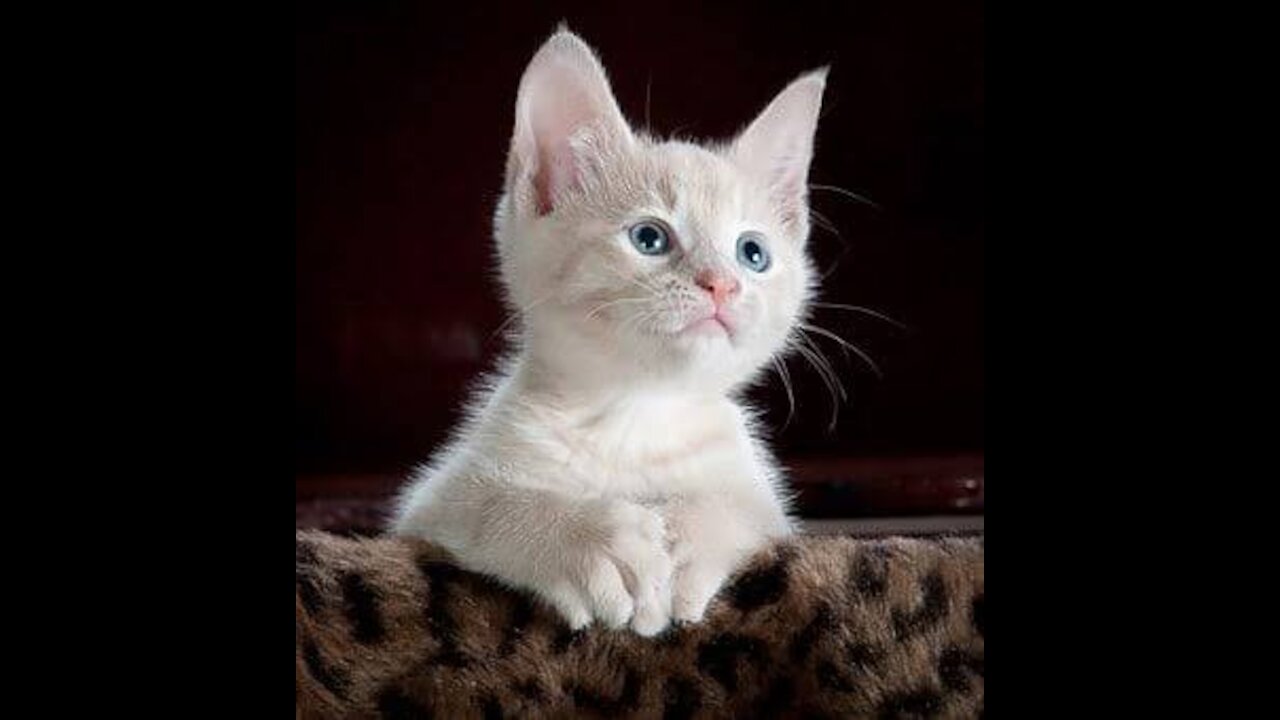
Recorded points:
(778, 146)
(565, 111)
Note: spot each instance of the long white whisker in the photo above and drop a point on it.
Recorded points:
(640, 282)
(639, 319)
(842, 191)
(647, 87)
(834, 264)
(846, 344)
(611, 303)
(824, 222)
(781, 367)
(859, 308)
(831, 391)
(826, 364)
(815, 358)
(518, 313)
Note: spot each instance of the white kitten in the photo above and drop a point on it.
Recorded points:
(609, 468)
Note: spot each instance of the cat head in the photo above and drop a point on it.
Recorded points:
(647, 261)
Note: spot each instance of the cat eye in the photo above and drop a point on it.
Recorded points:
(751, 252)
(650, 238)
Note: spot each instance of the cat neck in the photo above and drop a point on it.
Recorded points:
(581, 383)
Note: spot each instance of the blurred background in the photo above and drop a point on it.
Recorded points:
(403, 113)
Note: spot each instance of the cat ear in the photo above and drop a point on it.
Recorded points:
(565, 111)
(777, 146)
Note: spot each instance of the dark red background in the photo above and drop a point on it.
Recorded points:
(403, 115)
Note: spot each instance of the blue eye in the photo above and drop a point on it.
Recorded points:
(751, 252)
(650, 238)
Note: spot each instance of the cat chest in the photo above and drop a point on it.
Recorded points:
(658, 463)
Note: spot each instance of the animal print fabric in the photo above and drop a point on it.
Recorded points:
(812, 627)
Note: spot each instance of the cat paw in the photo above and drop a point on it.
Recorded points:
(637, 549)
(622, 577)
(694, 586)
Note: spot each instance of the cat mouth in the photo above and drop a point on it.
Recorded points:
(711, 325)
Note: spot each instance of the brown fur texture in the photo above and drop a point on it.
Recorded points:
(816, 626)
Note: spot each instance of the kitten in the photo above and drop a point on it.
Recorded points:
(610, 468)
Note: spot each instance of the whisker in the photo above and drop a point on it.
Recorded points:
(781, 367)
(831, 392)
(845, 344)
(647, 87)
(640, 282)
(639, 319)
(675, 133)
(823, 222)
(859, 308)
(846, 193)
(834, 265)
(518, 313)
(814, 357)
(611, 303)
(826, 363)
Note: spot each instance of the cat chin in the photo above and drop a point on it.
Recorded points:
(705, 341)
(710, 358)
(711, 327)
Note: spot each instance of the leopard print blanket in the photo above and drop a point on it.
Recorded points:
(816, 626)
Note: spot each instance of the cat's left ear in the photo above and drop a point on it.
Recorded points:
(566, 118)
(777, 148)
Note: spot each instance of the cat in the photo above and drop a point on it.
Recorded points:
(609, 466)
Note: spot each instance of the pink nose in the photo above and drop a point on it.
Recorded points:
(721, 287)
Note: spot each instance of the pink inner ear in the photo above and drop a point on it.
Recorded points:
(542, 189)
(559, 119)
(789, 193)
(564, 92)
(777, 146)
(556, 172)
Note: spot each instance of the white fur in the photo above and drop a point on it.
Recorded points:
(609, 466)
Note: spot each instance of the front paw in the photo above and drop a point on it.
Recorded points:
(620, 572)
(693, 587)
(637, 551)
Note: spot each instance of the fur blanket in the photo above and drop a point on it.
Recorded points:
(817, 626)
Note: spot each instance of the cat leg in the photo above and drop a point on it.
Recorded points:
(600, 559)
(623, 573)
(710, 538)
(646, 567)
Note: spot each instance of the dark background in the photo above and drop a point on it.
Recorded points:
(403, 117)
